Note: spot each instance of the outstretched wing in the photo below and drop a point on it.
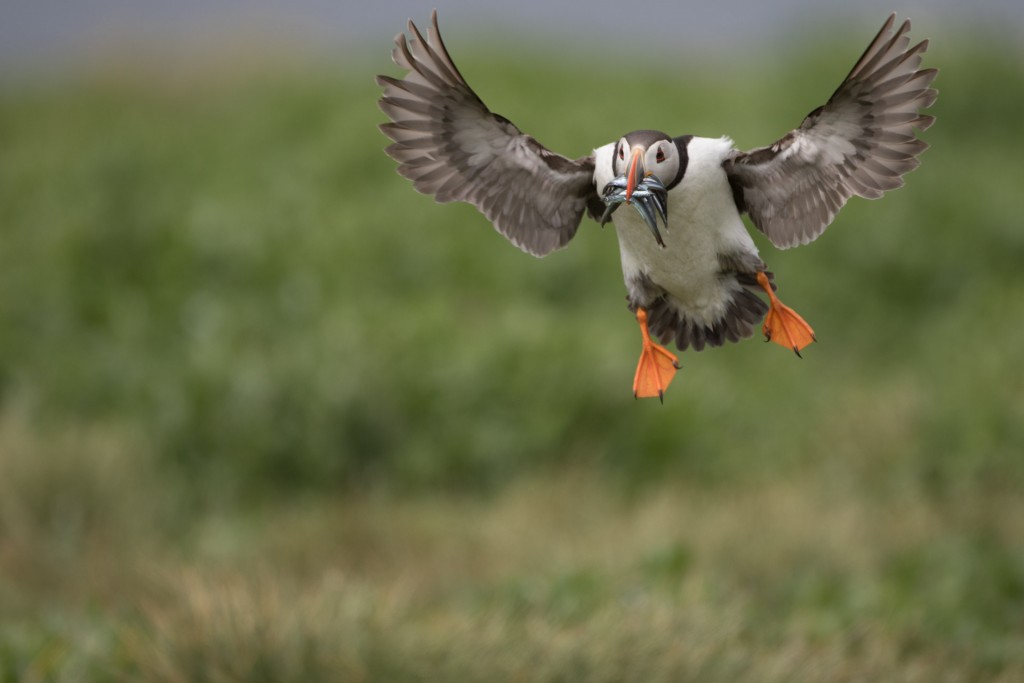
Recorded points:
(451, 146)
(861, 142)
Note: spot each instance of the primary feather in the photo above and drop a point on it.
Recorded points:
(861, 142)
(452, 146)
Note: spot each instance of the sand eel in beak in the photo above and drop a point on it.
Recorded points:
(698, 283)
(649, 196)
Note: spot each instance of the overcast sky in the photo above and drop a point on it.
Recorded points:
(54, 34)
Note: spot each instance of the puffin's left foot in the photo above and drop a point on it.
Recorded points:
(783, 325)
(657, 365)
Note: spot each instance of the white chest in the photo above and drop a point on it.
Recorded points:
(702, 224)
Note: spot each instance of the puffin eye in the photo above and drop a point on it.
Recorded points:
(660, 156)
(622, 152)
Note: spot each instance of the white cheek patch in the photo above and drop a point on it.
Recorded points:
(667, 168)
(621, 154)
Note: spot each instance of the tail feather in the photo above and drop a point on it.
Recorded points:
(743, 314)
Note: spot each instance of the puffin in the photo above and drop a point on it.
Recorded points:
(693, 274)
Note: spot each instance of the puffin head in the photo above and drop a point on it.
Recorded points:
(645, 153)
(646, 164)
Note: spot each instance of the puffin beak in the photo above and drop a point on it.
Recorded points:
(636, 171)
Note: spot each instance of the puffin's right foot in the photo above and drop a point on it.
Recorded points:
(657, 365)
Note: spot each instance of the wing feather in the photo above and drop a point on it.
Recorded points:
(450, 145)
(861, 142)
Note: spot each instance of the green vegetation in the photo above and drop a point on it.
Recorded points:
(266, 414)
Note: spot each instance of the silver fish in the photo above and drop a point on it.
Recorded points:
(650, 199)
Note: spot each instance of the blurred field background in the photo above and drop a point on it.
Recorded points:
(266, 414)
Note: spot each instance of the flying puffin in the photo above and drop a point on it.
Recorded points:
(697, 282)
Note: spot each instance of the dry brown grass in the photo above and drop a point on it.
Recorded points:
(561, 580)
(554, 578)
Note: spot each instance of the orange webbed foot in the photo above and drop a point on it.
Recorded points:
(783, 325)
(657, 365)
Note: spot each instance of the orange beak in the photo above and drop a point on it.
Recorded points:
(636, 171)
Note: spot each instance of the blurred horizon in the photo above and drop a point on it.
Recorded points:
(48, 38)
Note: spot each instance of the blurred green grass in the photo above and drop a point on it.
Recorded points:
(232, 338)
